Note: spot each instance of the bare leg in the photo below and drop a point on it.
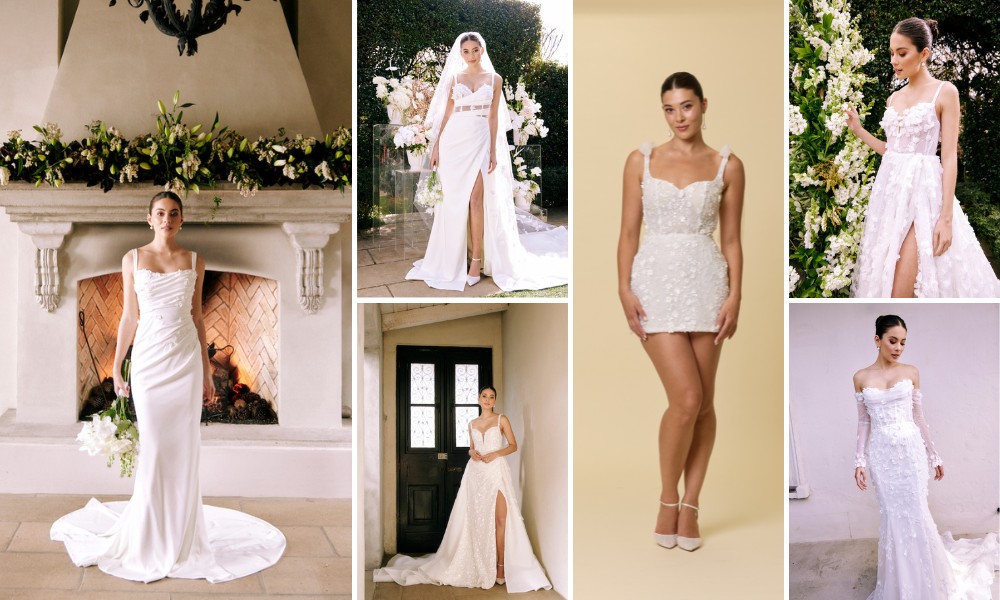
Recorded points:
(674, 359)
(707, 355)
(906, 267)
(476, 225)
(501, 523)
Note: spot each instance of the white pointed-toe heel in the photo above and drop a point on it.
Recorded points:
(686, 543)
(501, 580)
(667, 540)
(469, 279)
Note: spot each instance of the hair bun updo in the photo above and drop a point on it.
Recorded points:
(922, 32)
(933, 26)
(886, 322)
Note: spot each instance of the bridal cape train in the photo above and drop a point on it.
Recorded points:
(907, 191)
(163, 530)
(467, 555)
(914, 562)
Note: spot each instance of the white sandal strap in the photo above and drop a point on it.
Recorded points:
(668, 505)
(689, 505)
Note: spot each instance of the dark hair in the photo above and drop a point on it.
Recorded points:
(922, 32)
(887, 322)
(682, 81)
(169, 195)
(487, 387)
(471, 37)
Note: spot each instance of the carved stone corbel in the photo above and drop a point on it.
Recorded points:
(48, 238)
(309, 239)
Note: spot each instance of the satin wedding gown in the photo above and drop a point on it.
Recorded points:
(914, 562)
(467, 555)
(907, 191)
(531, 256)
(164, 530)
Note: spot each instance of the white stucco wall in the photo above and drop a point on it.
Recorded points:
(536, 401)
(955, 346)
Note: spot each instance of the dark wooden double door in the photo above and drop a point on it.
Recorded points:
(437, 391)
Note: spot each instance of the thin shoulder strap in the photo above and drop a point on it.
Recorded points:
(934, 99)
(194, 260)
(726, 150)
(135, 260)
(646, 150)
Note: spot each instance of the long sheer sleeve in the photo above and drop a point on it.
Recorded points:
(864, 428)
(925, 431)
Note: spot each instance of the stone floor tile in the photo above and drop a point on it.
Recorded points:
(223, 502)
(305, 512)
(96, 580)
(402, 252)
(382, 274)
(307, 575)
(307, 541)
(364, 258)
(7, 529)
(182, 596)
(38, 571)
(8, 594)
(341, 538)
(387, 591)
(419, 289)
(379, 291)
(34, 537)
(428, 592)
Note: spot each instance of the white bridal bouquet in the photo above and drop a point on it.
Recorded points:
(412, 138)
(112, 435)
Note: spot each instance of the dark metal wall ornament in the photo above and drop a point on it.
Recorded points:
(187, 28)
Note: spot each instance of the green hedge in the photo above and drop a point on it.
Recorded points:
(393, 31)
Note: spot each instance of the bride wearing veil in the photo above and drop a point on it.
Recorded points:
(468, 120)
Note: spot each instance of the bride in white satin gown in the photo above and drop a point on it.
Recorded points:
(164, 530)
(468, 120)
(485, 541)
(914, 561)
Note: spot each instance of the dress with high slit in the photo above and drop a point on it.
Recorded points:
(907, 193)
(164, 530)
(519, 251)
(467, 556)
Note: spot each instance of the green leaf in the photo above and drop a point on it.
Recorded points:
(230, 153)
(243, 145)
(187, 105)
(145, 166)
(177, 97)
(163, 109)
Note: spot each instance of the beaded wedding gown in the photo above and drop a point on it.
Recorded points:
(679, 274)
(907, 191)
(519, 251)
(914, 561)
(164, 530)
(467, 555)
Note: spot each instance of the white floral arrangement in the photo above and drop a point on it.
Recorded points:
(524, 110)
(112, 435)
(429, 191)
(525, 185)
(396, 94)
(412, 138)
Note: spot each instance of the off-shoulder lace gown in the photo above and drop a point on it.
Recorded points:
(519, 251)
(907, 191)
(163, 530)
(914, 562)
(467, 556)
(679, 274)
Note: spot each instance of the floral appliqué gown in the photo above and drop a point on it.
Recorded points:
(679, 274)
(164, 530)
(467, 556)
(519, 251)
(914, 561)
(907, 191)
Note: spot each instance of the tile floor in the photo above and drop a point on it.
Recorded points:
(316, 564)
(385, 257)
(391, 591)
(838, 570)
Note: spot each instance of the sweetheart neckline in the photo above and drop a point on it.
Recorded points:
(908, 108)
(151, 272)
(483, 433)
(473, 91)
(890, 388)
(681, 189)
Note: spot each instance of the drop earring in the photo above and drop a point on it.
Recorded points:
(704, 123)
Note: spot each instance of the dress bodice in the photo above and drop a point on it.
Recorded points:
(914, 130)
(156, 291)
(489, 441)
(463, 95)
(692, 209)
(888, 407)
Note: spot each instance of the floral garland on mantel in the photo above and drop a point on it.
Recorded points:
(830, 169)
(178, 157)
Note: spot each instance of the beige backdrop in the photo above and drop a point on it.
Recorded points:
(626, 49)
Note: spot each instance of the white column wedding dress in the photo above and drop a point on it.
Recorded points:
(164, 530)
(914, 562)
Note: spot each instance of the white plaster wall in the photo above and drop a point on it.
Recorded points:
(327, 57)
(480, 331)
(536, 401)
(29, 46)
(370, 438)
(955, 346)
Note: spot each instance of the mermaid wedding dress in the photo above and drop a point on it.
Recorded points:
(914, 562)
(467, 555)
(907, 192)
(164, 530)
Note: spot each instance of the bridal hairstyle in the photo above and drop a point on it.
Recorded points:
(471, 37)
(487, 387)
(922, 32)
(682, 80)
(887, 322)
(169, 195)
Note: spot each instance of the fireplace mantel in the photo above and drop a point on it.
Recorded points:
(47, 215)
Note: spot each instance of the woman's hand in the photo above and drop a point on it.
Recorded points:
(493, 160)
(476, 456)
(942, 236)
(208, 387)
(853, 121)
(634, 313)
(728, 315)
(434, 157)
(938, 473)
(489, 457)
(861, 478)
(121, 386)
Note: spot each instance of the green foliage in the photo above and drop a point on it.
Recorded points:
(968, 55)
(983, 213)
(549, 82)
(392, 32)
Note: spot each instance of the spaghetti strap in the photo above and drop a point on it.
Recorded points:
(646, 150)
(135, 261)
(938, 91)
(194, 260)
(726, 150)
